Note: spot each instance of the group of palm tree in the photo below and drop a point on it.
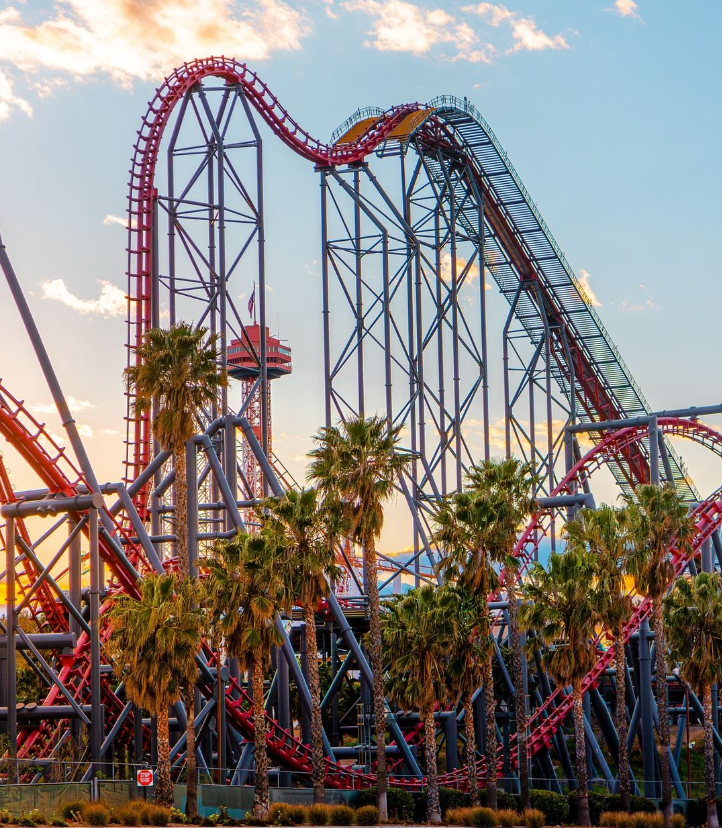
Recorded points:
(436, 644)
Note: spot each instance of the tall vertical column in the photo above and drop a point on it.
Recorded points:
(646, 704)
(11, 677)
(96, 724)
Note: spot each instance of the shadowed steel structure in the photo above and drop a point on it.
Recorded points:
(420, 208)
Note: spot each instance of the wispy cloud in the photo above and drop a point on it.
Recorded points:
(401, 26)
(626, 8)
(119, 220)
(646, 303)
(9, 101)
(111, 302)
(583, 279)
(404, 26)
(527, 36)
(74, 404)
(143, 39)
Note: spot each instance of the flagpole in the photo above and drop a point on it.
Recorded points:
(254, 304)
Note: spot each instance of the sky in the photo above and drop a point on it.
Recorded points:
(608, 109)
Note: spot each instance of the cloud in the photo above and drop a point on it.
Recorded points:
(526, 34)
(75, 405)
(111, 219)
(639, 305)
(626, 8)
(110, 432)
(85, 430)
(111, 302)
(138, 39)
(588, 293)
(9, 101)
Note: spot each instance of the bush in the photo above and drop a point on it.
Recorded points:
(554, 806)
(507, 801)
(620, 819)
(534, 818)
(483, 818)
(72, 810)
(613, 802)
(449, 799)
(368, 815)
(508, 818)
(95, 813)
(129, 813)
(156, 815)
(280, 814)
(459, 816)
(697, 811)
(678, 821)
(57, 822)
(340, 815)
(318, 815)
(5, 816)
(400, 803)
(26, 820)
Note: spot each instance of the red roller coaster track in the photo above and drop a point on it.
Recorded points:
(620, 448)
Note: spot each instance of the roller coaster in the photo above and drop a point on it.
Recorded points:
(419, 205)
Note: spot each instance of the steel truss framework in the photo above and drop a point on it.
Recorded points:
(418, 203)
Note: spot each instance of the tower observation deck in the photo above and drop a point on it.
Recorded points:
(244, 364)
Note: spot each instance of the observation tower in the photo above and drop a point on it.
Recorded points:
(244, 364)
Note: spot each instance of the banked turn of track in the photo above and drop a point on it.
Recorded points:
(603, 386)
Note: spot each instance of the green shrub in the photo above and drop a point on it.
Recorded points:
(280, 814)
(507, 801)
(533, 818)
(5, 816)
(449, 798)
(554, 806)
(156, 815)
(613, 802)
(72, 810)
(340, 815)
(57, 822)
(318, 815)
(678, 821)
(95, 813)
(483, 818)
(697, 811)
(400, 803)
(508, 818)
(25, 820)
(368, 815)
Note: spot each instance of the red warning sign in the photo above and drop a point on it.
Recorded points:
(144, 778)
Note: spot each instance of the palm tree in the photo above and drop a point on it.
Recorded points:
(562, 608)
(356, 463)
(658, 518)
(693, 618)
(417, 631)
(603, 532)
(243, 594)
(469, 665)
(308, 531)
(175, 376)
(154, 644)
(463, 521)
(508, 487)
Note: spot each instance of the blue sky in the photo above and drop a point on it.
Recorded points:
(609, 111)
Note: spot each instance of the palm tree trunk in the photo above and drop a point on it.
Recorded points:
(181, 513)
(622, 727)
(519, 699)
(164, 786)
(434, 810)
(317, 756)
(470, 733)
(581, 757)
(191, 760)
(662, 711)
(709, 780)
(377, 668)
(490, 716)
(261, 796)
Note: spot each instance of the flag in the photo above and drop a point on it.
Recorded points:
(252, 302)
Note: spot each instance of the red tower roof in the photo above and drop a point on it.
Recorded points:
(244, 355)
